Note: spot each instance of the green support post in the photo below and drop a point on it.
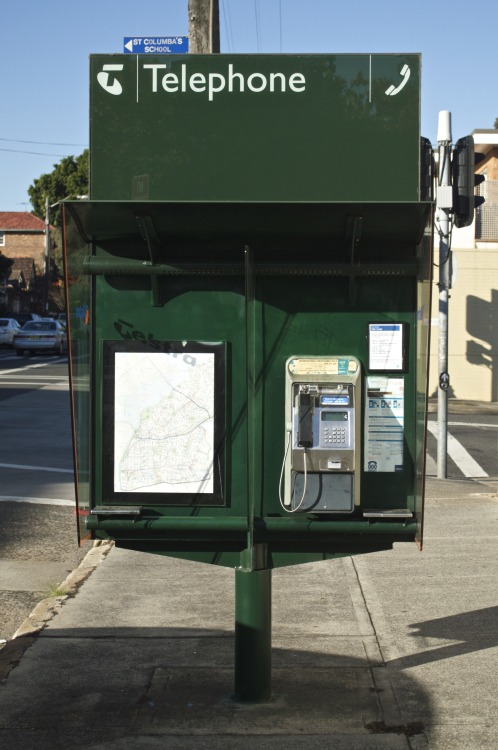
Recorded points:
(253, 577)
(252, 635)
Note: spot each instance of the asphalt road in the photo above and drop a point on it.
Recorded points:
(38, 541)
(472, 445)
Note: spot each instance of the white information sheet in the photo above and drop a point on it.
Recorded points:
(385, 346)
(164, 422)
(384, 424)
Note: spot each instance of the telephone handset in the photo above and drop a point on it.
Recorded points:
(305, 419)
(393, 90)
(321, 465)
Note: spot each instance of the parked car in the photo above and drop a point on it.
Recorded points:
(41, 335)
(8, 327)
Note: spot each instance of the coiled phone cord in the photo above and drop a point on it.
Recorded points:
(293, 510)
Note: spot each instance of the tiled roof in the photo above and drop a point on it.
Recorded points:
(20, 221)
(24, 265)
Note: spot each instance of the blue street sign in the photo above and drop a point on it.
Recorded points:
(156, 45)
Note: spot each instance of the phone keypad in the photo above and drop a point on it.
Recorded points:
(334, 435)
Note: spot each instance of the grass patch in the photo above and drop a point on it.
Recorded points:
(54, 589)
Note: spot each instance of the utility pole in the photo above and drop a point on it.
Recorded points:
(204, 26)
(444, 204)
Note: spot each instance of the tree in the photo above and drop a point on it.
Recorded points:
(496, 124)
(68, 180)
(5, 266)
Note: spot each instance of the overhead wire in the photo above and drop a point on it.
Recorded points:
(280, 22)
(228, 24)
(33, 153)
(258, 25)
(43, 143)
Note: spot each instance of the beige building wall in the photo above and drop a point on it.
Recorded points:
(472, 322)
(473, 304)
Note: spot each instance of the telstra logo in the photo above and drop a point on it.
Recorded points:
(108, 83)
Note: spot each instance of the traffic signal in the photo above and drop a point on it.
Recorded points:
(426, 170)
(464, 181)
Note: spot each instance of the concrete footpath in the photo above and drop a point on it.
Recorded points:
(388, 651)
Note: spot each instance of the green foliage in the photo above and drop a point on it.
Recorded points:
(68, 179)
(496, 124)
(5, 265)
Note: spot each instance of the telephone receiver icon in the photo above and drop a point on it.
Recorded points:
(393, 90)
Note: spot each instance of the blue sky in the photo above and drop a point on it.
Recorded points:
(45, 46)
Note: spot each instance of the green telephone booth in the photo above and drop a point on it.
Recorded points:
(249, 306)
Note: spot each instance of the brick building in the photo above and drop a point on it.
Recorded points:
(22, 235)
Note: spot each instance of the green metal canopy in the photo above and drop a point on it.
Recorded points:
(101, 221)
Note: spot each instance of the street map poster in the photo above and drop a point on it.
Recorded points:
(165, 425)
(384, 424)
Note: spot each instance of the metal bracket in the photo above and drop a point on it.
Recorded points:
(354, 231)
(116, 510)
(148, 232)
(255, 558)
(387, 513)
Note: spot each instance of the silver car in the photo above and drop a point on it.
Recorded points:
(40, 335)
(8, 327)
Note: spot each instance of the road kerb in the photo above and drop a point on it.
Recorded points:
(46, 609)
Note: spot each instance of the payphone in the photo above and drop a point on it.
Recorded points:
(321, 466)
(187, 295)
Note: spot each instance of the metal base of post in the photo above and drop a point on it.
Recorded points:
(252, 635)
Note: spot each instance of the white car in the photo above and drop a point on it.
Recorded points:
(8, 328)
(41, 335)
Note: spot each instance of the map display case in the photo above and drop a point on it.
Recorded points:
(164, 422)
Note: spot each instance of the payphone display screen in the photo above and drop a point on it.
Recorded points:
(334, 416)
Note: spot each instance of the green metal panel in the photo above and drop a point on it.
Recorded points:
(266, 303)
(255, 127)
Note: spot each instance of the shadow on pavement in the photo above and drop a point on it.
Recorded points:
(83, 689)
(475, 631)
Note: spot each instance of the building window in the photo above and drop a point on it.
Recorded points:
(2, 239)
(487, 214)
